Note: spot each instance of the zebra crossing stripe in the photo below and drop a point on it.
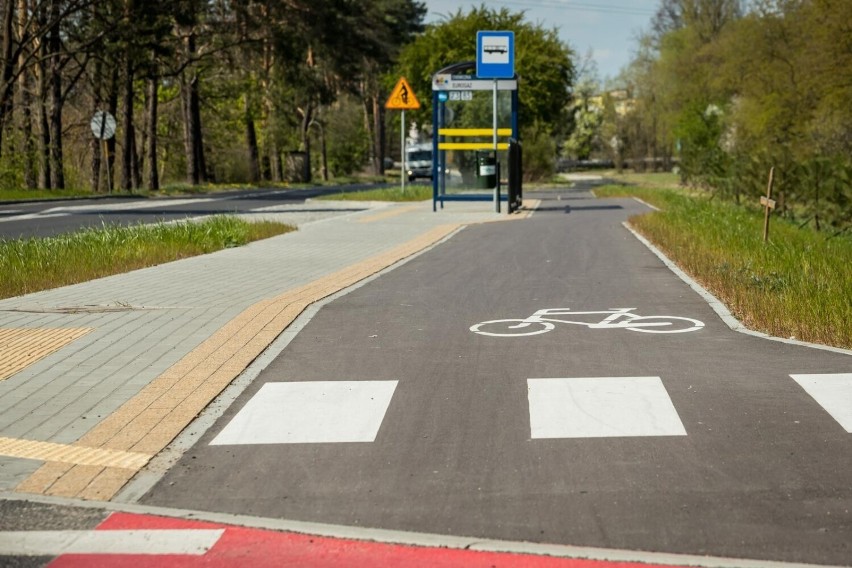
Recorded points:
(310, 413)
(601, 407)
(832, 391)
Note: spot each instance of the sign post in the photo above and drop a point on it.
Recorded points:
(768, 203)
(402, 98)
(103, 127)
(495, 59)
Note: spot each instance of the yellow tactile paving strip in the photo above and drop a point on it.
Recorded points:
(391, 213)
(149, 421)
(21, 347)
(64, 453)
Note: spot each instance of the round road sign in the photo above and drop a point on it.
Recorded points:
(103, 125)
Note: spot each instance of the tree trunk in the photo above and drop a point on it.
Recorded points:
(96, 144)
(275, 162)
(195, 166)
(193, 144)
(197, 138)
(251, 143)
(188, 133)
(367, 103)
(41, 102)
(128, 145)
(379, 135)
(273, 165)
(373, 125)
(654, 143)
(7, 84)
(152, 176)
(307, 117)
(57, 172)
(112, 104)
(306, 163)
(25, 102)
(42, 119)
(135, 163)
(324, 153)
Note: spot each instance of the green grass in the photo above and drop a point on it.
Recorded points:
(666, 180)
(411, 193)
(799, 284)
(26, 194)
(30, 265)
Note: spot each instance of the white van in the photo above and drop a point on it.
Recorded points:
(418, 161)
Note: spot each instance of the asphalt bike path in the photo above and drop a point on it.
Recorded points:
(394, 409)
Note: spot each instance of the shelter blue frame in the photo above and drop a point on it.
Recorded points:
(442, 82)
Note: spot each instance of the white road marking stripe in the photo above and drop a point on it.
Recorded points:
(132, 206)
(310, 413)
(601, 407)
(646, 204)
(107, 208)
(54, 543)
(832, 391)
(28, 216)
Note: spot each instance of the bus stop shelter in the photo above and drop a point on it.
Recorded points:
(462, 135)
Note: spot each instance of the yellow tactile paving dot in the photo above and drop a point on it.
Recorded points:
(21, 347)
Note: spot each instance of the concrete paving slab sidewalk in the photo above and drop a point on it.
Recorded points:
(133, 358)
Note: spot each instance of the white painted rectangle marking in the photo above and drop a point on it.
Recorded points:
(310, 413)
(832, 391)
(601, 407)
(160, 541)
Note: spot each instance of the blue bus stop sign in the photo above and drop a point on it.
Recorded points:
(495, 54)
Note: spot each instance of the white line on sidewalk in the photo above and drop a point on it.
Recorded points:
(54, 543)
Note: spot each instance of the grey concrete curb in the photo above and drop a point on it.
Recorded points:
(424, 539)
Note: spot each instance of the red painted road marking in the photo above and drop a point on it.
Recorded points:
(240, 546)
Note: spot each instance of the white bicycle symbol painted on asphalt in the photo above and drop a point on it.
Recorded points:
(616, 318)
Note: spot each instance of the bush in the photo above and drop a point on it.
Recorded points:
(539, 155)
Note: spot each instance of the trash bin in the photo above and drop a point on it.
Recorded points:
(486, 169)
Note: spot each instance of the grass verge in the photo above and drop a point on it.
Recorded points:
(654, 180)
(797, 285)
(30, 265)
(36, 194)
(411, 193)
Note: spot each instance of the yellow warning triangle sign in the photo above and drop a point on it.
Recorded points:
(402, 97)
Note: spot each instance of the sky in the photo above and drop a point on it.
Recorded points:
(607, 29)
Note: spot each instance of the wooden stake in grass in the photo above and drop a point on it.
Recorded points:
(768, 203)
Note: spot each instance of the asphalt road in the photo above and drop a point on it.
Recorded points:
(387, 411)
(48, 218)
